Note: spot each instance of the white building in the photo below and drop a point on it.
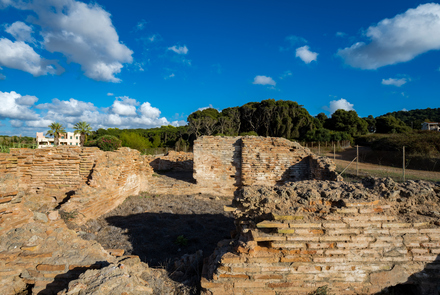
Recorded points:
(430, 126)
(68, 138)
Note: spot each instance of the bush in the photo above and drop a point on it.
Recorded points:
(108, 143)
(135, 141)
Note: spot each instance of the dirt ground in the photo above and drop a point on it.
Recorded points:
(160, 229)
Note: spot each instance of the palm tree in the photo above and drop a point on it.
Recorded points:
(84, 129)
(55, 130)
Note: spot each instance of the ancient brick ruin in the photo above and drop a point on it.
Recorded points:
(223, 164)
(294, 234)
(353, 239)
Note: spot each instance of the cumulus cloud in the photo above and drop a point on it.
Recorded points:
(179, 49)
(14, 107)
(395, 40)
(71, 107)
(394, 82)
(110, 94)
(125, 112)
(27, 100)
(83, 33)
(20, 56)
(20, 31)
(123, 105)
(305, 54)
(264, 80)
(339, 104)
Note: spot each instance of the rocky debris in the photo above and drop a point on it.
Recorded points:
(414, 200)
(128, 275)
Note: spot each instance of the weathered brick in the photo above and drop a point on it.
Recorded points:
(334, 238)
(268, 277)
(305, 225)
(303, 238)
(396, 225)
(233, 276)
(51, 267)
(271, 224)
(334, 225)
(320, 245)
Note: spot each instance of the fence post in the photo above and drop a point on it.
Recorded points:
(403, 164)
(357, 160)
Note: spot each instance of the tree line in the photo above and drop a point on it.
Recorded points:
(277, 118)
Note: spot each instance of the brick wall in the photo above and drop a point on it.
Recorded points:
(227, 163)
(217, 163)
(352, 247)
(85, 180)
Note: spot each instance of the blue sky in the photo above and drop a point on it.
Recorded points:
(142, 64)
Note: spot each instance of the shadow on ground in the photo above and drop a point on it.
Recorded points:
(186, 176)
(425, 282)
(160, 238)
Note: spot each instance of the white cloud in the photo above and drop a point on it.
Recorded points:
(125, 106)
(141, 25)
(125, 112)
(41, 123)
(339, 104)
(27, 100)
(83, 33)
(2, 77)
(170, 76)
(71, 107)
(179, 123)
(205, 108)
(264, 80)
(340, 34)
(179, 49)
(20, 31)
(404, 110)
(398, 39)
(110, 94)
(148, 111)
(19, 55)
(286, 74)
(305, 54)
(395, 82)
(12, 107)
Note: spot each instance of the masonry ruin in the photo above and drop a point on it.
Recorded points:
(299, 226)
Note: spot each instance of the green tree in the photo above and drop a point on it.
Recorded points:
(55, 130)
(389, 124)
(347, 121)
(83, 129)
(135, 141)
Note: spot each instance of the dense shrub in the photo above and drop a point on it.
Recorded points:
(108, 143)
(135, 141)
(250, 133)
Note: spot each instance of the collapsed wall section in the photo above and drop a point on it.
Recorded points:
(351, 238)
(227, 163)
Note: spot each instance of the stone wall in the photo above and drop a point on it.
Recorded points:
(227, 163)
(350, 238)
